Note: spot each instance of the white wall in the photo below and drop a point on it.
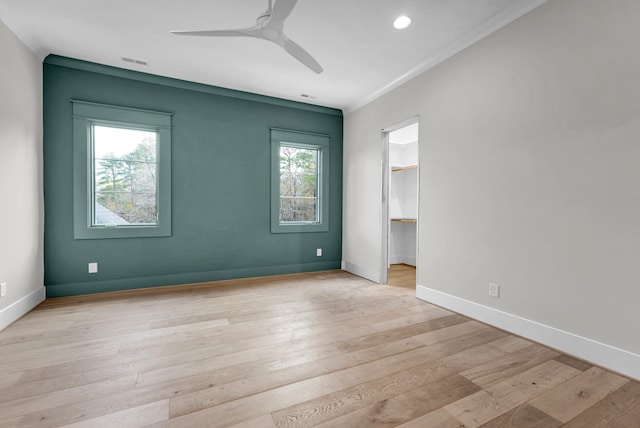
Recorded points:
(403, 154)
(21, 197)
(403, 194)
(402, 243)
(529, 177)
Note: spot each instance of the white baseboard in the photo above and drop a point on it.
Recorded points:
(609, 357)
(17, 309)
(359, 271)
(407, 260)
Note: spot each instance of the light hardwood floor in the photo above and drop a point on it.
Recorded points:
(327, 349)
(401, 275)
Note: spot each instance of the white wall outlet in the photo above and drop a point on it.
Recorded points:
(319, 252)
(3, 289)
(93, 267)
(494, 290)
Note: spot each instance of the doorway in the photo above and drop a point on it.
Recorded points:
(400, 204)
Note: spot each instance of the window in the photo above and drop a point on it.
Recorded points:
(299, 182)
(124, 176)
(122, 172)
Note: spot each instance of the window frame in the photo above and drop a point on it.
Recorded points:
(304, 140)
(85, 116)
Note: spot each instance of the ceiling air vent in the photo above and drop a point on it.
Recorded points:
(135, 61)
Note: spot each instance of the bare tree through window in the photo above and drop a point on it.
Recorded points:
(298, 184)
(125, 176)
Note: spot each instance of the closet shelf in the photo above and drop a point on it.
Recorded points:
(404, 220)
(403, 168)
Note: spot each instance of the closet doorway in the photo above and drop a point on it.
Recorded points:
(400, 204)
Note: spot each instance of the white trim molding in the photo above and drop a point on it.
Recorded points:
(360, 271)
(407, 260)
(18, 309)
(607, 356)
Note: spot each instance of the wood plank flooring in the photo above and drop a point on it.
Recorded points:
(324, 349)
(401, 275)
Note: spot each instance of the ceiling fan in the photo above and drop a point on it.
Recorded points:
(269, 26)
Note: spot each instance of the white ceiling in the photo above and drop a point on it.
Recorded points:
(363, 56)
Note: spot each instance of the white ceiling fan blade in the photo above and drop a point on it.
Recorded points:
(300, 54)
(241, 32)
(269, 27)
(281, 10)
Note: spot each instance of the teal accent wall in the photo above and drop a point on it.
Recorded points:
(220, 185)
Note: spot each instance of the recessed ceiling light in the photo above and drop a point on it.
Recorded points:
(402, 22)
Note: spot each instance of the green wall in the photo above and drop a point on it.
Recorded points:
(220, 185)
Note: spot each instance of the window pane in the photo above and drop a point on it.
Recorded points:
(125, 169)
(298, 184)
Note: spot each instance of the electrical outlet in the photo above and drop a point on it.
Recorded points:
(319, 252)
(494, 290)
(93, 267)
(3, 289)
